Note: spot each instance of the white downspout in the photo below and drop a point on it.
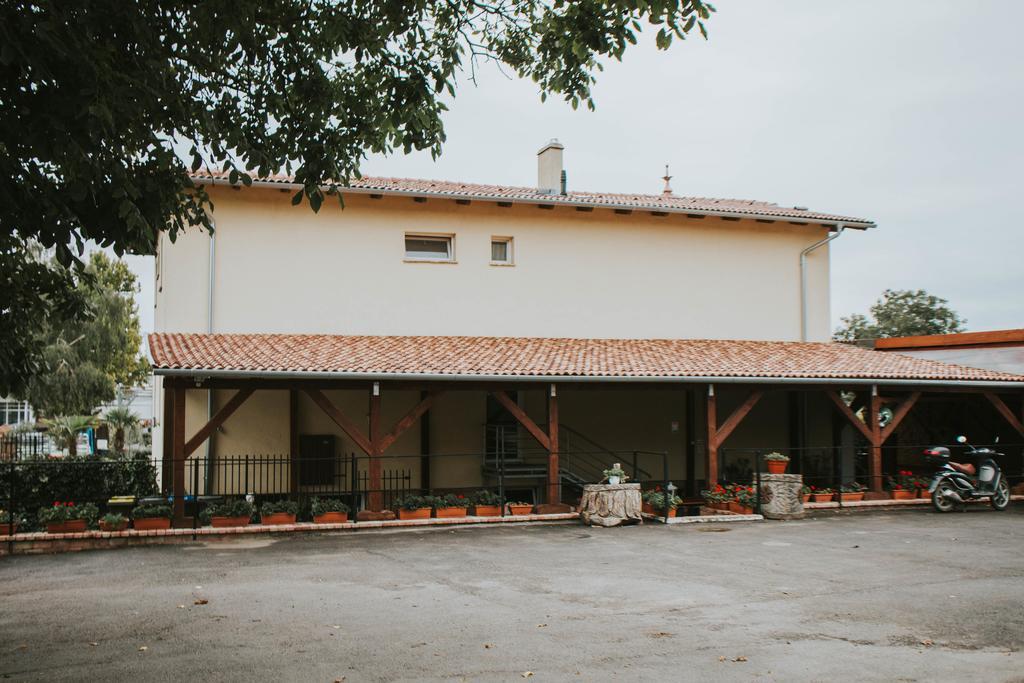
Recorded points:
(803, 276)
(209, 329)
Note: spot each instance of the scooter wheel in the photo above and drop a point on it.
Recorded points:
(1001, 498)
(940, 501)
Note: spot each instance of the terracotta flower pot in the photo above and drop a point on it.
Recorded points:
(923, 493)
(903, 494)
(807, 497)
(744, 510)
(851, 497)
(278, 518)
(8, 529)
(72, 526)
(224, 522)
(777, 466)
(520, 509)
(647, 508)
(120, 526)
(419, 513)
(331, 518)
(735, 507)
(822, 497)
(445, 513)
(152, 523)
(486, 510)
(661, 513)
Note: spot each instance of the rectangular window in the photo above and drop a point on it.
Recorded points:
(429, 248)
(501, 251)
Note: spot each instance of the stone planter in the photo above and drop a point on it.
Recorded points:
(152, 523)
(72, 526)
(608, 505)
(419, 513)
(486, 511)
(277, 518)
(448, 513)
(331, 518)
(225, 522)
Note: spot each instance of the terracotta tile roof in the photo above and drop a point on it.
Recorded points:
(668, 203)
(535, 357)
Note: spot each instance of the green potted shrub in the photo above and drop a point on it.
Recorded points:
(654, 503)
(852, 492)
(9, 522)
(67, 518)
(518, 508)
(328, 511)
(486, 504)
(806, 492)
(615, 475)
(151, 517)
(414, 507)
(113, 521)
(230, 513)
(278, 512)
(776, 463)
(451, 505)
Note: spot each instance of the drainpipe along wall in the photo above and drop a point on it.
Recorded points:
(803, 276)
(209, 328)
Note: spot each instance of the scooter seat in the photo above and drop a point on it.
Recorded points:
(965, 468)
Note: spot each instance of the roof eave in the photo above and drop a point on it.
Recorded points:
(201, 374)
(556, 200)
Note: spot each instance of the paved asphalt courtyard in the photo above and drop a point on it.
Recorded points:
(907, 596)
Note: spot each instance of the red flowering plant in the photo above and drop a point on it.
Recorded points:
(718, 494)
(66, 511)
(452, 500)
(746, 496)
(903, 481)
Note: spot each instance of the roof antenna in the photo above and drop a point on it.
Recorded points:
(667, 178)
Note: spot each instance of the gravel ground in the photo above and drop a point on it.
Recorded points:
(873, 596)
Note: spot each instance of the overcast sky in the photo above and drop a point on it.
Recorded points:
(907, 113)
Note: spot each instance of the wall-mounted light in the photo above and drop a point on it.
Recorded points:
(376, 388)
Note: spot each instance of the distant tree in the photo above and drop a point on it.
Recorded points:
(65, 430)
(106, 106)
(902, 313)
(84, 362)
(123, 422)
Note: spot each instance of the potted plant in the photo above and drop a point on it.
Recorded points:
(852, 492)
(486, 504)
(9, 522)
(237, 512)
(328, 511)
(151, 517)
(615, 475)
(278, 512)
(822, 495)
(113, 521)
(776, 463)
(806, 492)
(518, 508)
(746, 499)
(414, 507)
(654, 503)
(902, 486)
(451, 505)
(922, 487)
(717, 498)
(67, 518)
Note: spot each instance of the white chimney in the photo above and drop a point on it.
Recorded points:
(549, 168)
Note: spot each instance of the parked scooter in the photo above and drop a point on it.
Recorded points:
(956, 483)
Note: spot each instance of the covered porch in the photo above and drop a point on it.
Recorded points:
(371, 417)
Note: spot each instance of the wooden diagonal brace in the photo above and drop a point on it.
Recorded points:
(348, 426)
(408, 420)
(523, 419)
(733, 421)
(1005, 411)
(851, 416)
(899, 414)
(217, 420)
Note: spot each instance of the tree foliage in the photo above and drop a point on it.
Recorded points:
(902, 313)
(85, 361)
(107, 106)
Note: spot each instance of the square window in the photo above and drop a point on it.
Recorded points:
(501, 251)
(429, 248)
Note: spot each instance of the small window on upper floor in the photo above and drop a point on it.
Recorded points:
(438, 248)
(501, 251)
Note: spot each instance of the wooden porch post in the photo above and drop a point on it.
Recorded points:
(167, 466)
(178, 455)
(293, 439)
(376, 498)
(712, 415)
(875, 464)
(554, 478)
